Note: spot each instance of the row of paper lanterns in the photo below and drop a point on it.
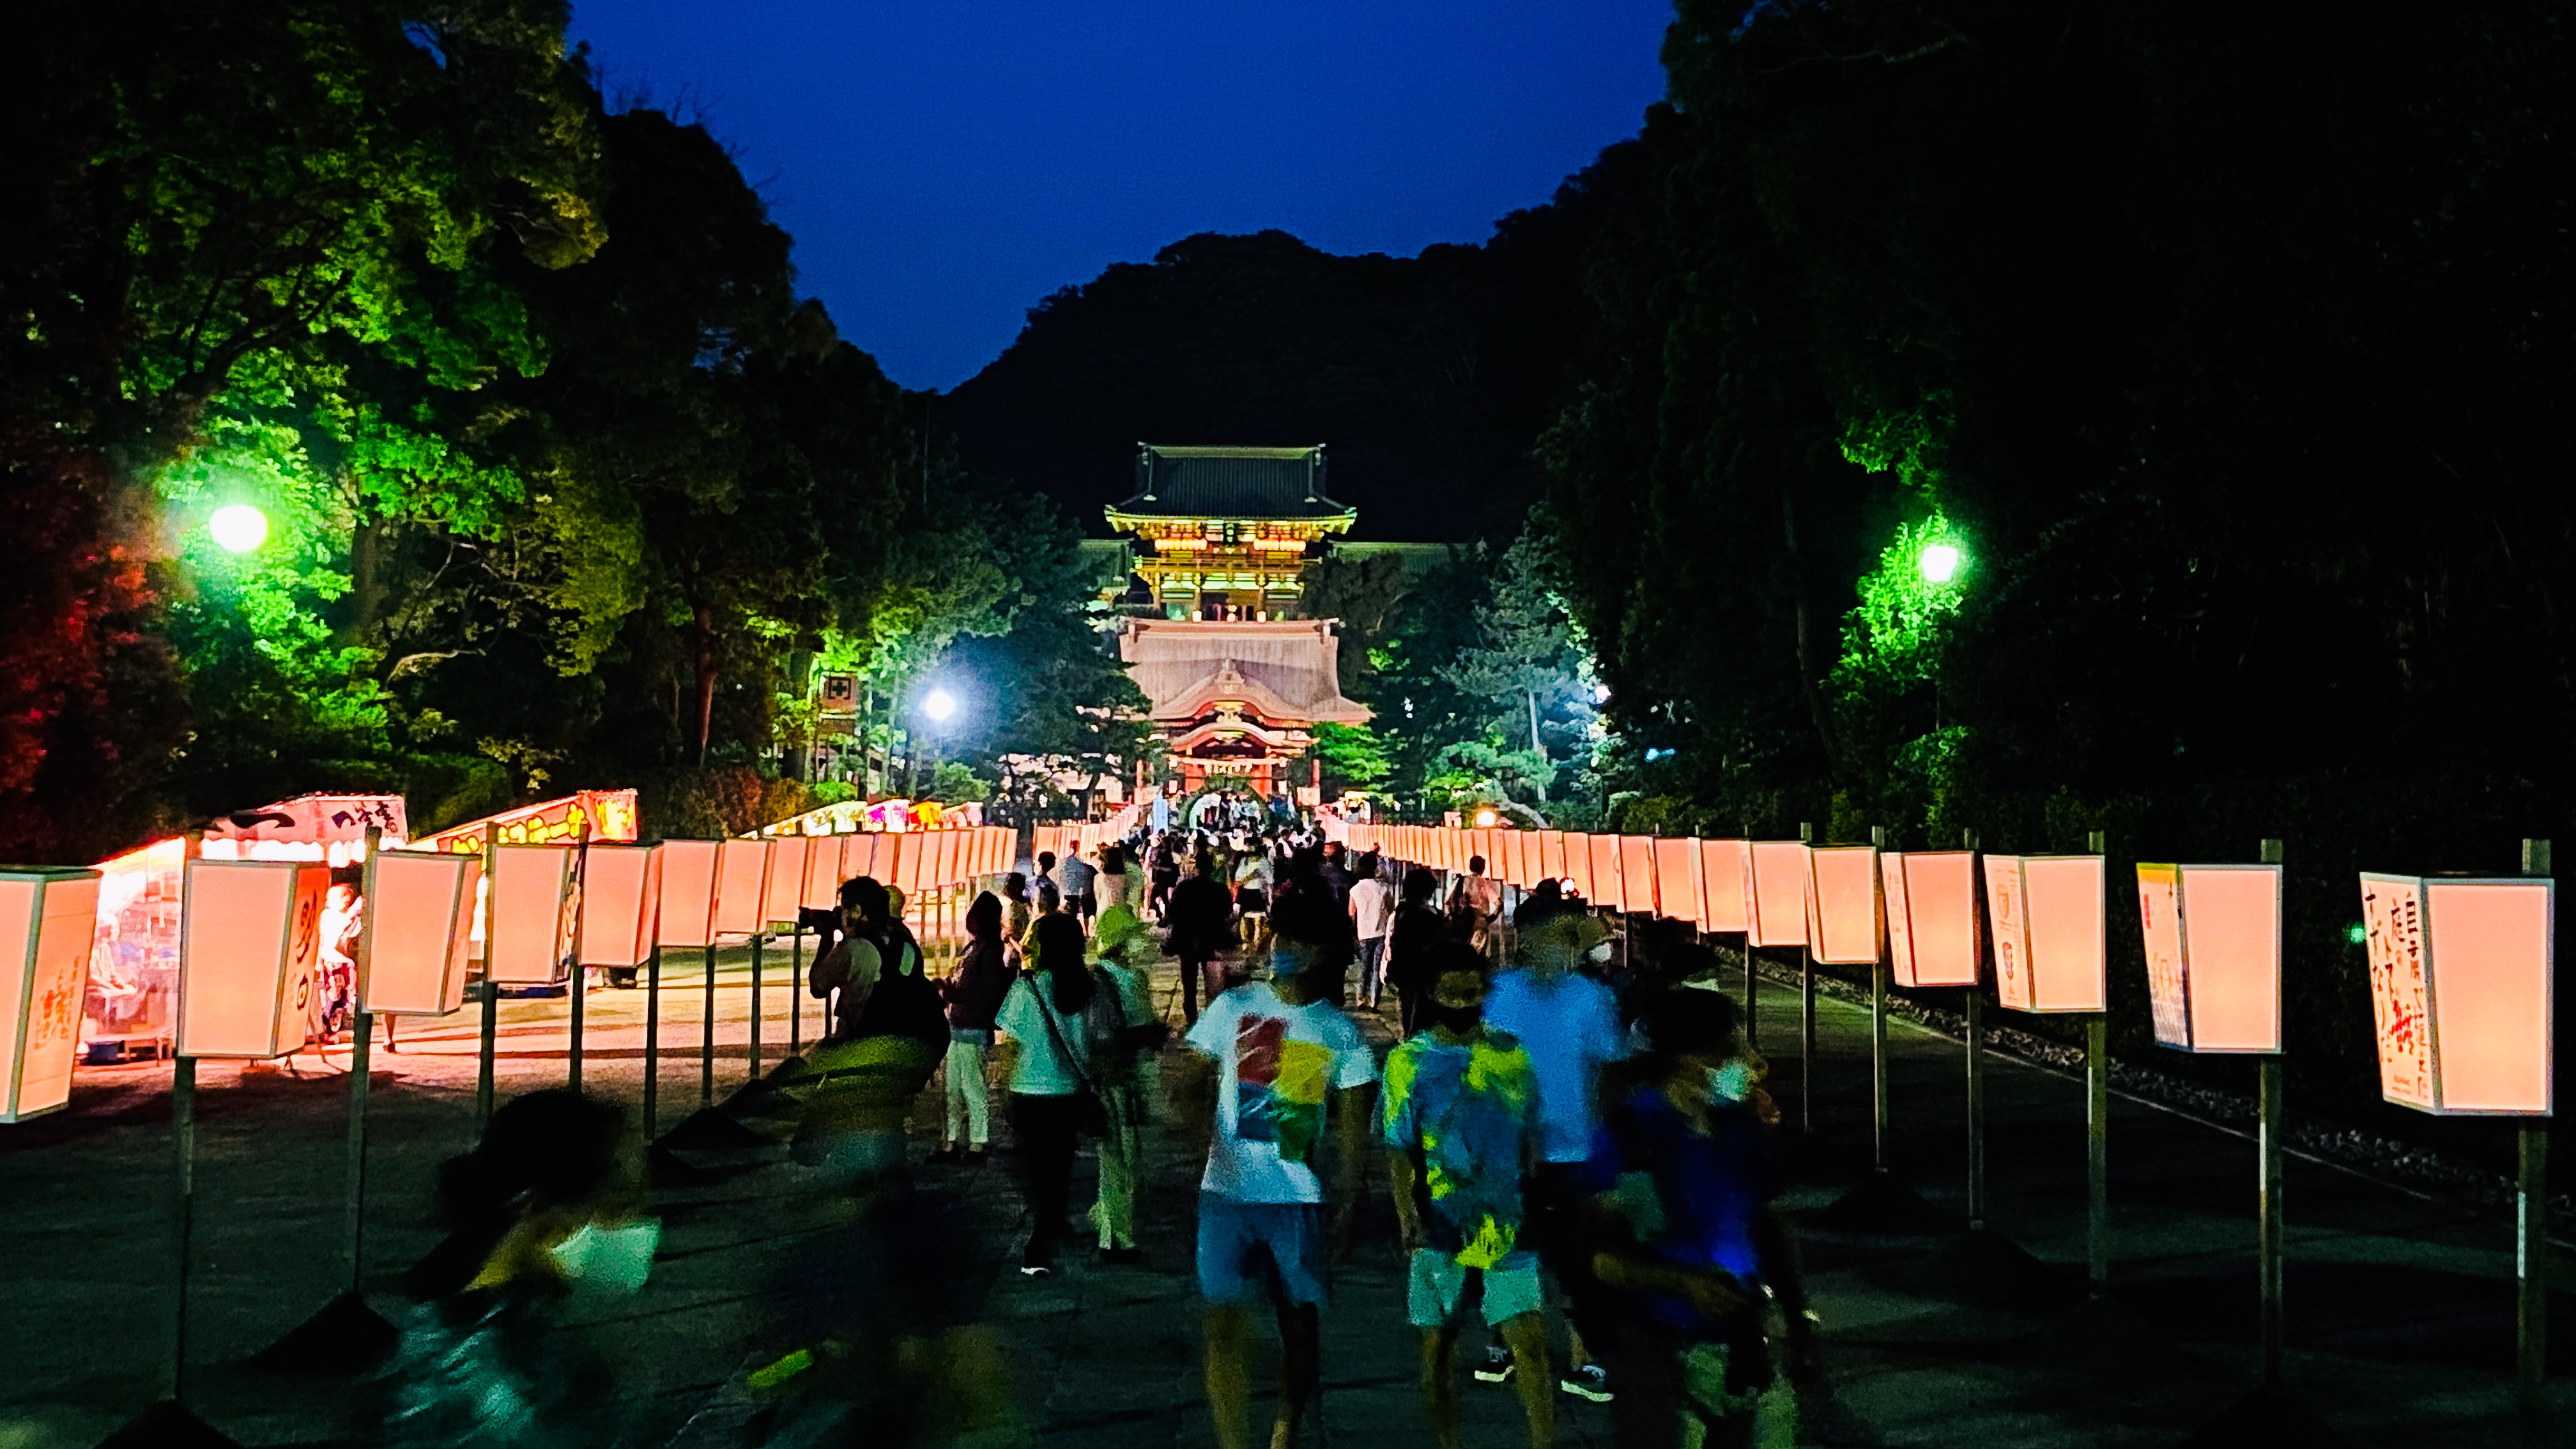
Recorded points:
(2459, 967)
(250, 928)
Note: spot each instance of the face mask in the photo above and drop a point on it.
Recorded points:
(1732, 1082)
(1460, 1020)
(609, 1260)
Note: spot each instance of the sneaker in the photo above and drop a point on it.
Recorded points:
(1497, 1367)
(1586, 1381)
(1032, 1266)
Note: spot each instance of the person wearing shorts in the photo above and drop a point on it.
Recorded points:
(1461, 1122)
(1286, 1063)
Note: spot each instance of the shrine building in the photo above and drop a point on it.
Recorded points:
(1237, 681)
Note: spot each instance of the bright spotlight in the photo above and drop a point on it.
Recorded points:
(1939, 563)
(238, 528)
(1485, 819)
(939, 704)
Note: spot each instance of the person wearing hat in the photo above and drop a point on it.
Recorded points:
(1129, 1076)
(1569, 1024)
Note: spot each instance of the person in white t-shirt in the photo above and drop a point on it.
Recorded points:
(1373, 918)
(1286, 1064)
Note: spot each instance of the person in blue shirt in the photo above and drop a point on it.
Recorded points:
(1685, 1236)
(1569, 1023)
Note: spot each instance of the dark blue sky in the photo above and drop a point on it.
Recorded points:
(943, 166)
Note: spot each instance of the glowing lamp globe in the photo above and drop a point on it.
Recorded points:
(939, 704)
(1939, 563)
(238, 528)
(1485, 819)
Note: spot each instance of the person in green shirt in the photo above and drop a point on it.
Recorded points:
(1462, 1127)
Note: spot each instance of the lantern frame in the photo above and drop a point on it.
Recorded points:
(2014, 921)
(1833, 937)
(253, 925)
(50, 915)
(2447, 1008)
(621, 904)
(2194, 990)
(1777, 880)
(415, 897)
(1906, 899)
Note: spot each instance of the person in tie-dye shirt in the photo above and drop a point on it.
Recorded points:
(1462, 1126)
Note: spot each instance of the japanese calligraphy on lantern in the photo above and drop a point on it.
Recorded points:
(2160, 917)
(2392, 922)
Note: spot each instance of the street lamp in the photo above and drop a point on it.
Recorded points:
(939, 704)
(1938, 563)
(238, 528)
(1485, 819)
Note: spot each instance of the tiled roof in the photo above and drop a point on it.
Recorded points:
(1175, 482)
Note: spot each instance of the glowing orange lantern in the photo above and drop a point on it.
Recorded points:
(418, 932)
(1637, 873)
(786, 887)
(687, 914)
(2213, 945)
(530, 908)
(1842, 904)
(2460, 991)
(1677, 886)
(1726, 885)
(742, 886)
(1607, 888)
(1778, 900)
(1933, 936)
(823, 871)
(2049, 922)
(1551, 855)
(621, 902)
(249, 942)
(48, 922)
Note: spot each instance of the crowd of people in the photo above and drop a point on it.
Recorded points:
(1568, 1137)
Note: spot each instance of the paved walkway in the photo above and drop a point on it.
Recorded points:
(2399, 1306)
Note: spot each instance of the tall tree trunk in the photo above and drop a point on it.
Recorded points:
(703, 627)
(1810, 675)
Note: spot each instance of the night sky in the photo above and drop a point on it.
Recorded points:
(945, 166)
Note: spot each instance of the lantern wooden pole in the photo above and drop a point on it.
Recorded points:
(758, 938)
(1976, 1061)
(707, 1032)
(796, 983)
(1878, 1114)
(183, 1132)
(653, 1035)
(363, 1021)
(2531, 1246)
(2097, 1138)
(1807, 1015)
(578, 887)
(491, 1029)
(2269, 1244)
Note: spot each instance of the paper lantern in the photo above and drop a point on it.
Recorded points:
(2460, 991)
(2048, 918)
(1726, 885)
(1607, 888)
(1551, 855)
(48, 923)
(418, 932)
(249, 942)
(858, 853)
(1677, 892)
(687, 915)
(742, 887)
(1489, 844)
(530, 909)
(785, 892)
(943, 861)
(911, 855)
(621, 900)
(2213, 945)
(1637, 874)
(1577, 864)
(1520, 852)
(1842, 904)
(1933, 935)
(823, 871)
(1778, 900)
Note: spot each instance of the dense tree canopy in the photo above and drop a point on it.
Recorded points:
(565, 485)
